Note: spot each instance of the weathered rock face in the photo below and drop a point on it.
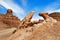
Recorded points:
(4, 26)
(46, 33)
(28, 17)
(55, 15)
(10, 19)
(27, 20)
(47, 30)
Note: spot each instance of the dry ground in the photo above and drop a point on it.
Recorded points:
(42, 33)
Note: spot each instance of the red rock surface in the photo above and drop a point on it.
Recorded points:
(55, 15)
(37, 32)
(10, 19)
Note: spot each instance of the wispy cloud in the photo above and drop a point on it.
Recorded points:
(50, 11)
(10, 5)
(36, 18)
(53, 7)
(24, 3)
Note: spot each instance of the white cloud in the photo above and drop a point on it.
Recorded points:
(37, 18)
(24, 3)
(10, 5)
(52, 7)
(51, 11)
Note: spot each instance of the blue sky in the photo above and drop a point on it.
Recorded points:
(23, 7)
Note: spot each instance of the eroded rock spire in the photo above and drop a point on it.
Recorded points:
(26, 20)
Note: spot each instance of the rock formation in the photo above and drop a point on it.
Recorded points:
(46, 33)
(44, 15)
(55, 15)
(39, 30)
(28, 17)
(27, 20)
(10, 19)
